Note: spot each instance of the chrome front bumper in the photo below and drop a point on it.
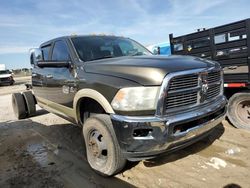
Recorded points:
(168, 132)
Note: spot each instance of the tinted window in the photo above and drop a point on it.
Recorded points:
(126, 47)
(60, 51)
(45, 52)
(4, 72)
(98, 47)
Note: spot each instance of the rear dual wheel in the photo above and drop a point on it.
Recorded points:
(24, 105)
(30, 102)
(18, 105)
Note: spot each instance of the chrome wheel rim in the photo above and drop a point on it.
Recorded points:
(97, 147)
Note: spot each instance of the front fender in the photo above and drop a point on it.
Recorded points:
(93, 94)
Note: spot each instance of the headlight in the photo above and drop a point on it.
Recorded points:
(136, 98)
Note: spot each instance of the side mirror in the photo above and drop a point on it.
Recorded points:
(35, 56)
(157, 50)
(54, 64)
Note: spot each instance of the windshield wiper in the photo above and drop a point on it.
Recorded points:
(137, 53)
(104, 57)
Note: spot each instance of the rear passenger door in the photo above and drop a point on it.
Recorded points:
(60, 81)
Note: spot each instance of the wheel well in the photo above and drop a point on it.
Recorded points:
(88, 107)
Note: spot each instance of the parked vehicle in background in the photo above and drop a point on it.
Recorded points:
(131, 104)
(229, 45)
(6, 77)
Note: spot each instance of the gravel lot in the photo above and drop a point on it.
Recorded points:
(47, 151)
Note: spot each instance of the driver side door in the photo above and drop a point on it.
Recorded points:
(60, 81)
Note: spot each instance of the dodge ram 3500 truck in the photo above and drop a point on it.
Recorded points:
(132, 105)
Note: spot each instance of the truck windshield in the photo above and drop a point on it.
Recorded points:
(4, 72)
(91, 48)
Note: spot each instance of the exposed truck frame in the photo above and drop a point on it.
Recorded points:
(229, 45)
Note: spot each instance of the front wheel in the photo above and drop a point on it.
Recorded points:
(103, 151)
(239, 110)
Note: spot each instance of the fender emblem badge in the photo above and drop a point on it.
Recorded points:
(65, 89)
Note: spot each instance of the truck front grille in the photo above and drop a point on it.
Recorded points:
(183, 82)
(185, 91)
(180, 100)
(214, 77)
(213, 91)
(4, 79)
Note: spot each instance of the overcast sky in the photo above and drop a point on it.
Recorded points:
(27, 23)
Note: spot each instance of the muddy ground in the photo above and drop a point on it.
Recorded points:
(47, 151)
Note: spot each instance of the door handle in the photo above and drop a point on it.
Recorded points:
(49, 76)
(70, 83)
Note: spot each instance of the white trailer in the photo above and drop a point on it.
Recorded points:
(2, 67)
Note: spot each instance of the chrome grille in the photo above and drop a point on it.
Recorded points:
(180, 100)
(193, 89)
(183, 82)
(214, 77)
(213, 91)
(4, 79)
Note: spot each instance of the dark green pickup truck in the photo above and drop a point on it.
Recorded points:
(131, 104)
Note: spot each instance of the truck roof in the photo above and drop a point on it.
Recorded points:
(74, 36)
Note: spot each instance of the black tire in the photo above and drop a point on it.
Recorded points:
(18, 104)
(30, 102)
(99, 129)
(238, 111)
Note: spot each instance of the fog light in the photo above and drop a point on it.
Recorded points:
(142, 132)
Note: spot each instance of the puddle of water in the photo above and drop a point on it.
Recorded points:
(56, 151)
(39, 153)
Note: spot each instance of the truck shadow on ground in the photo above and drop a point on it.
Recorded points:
(36, 155)
(190, 150)
(41, 112)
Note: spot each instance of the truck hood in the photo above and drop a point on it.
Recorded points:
(146, 70)
(5, 75)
